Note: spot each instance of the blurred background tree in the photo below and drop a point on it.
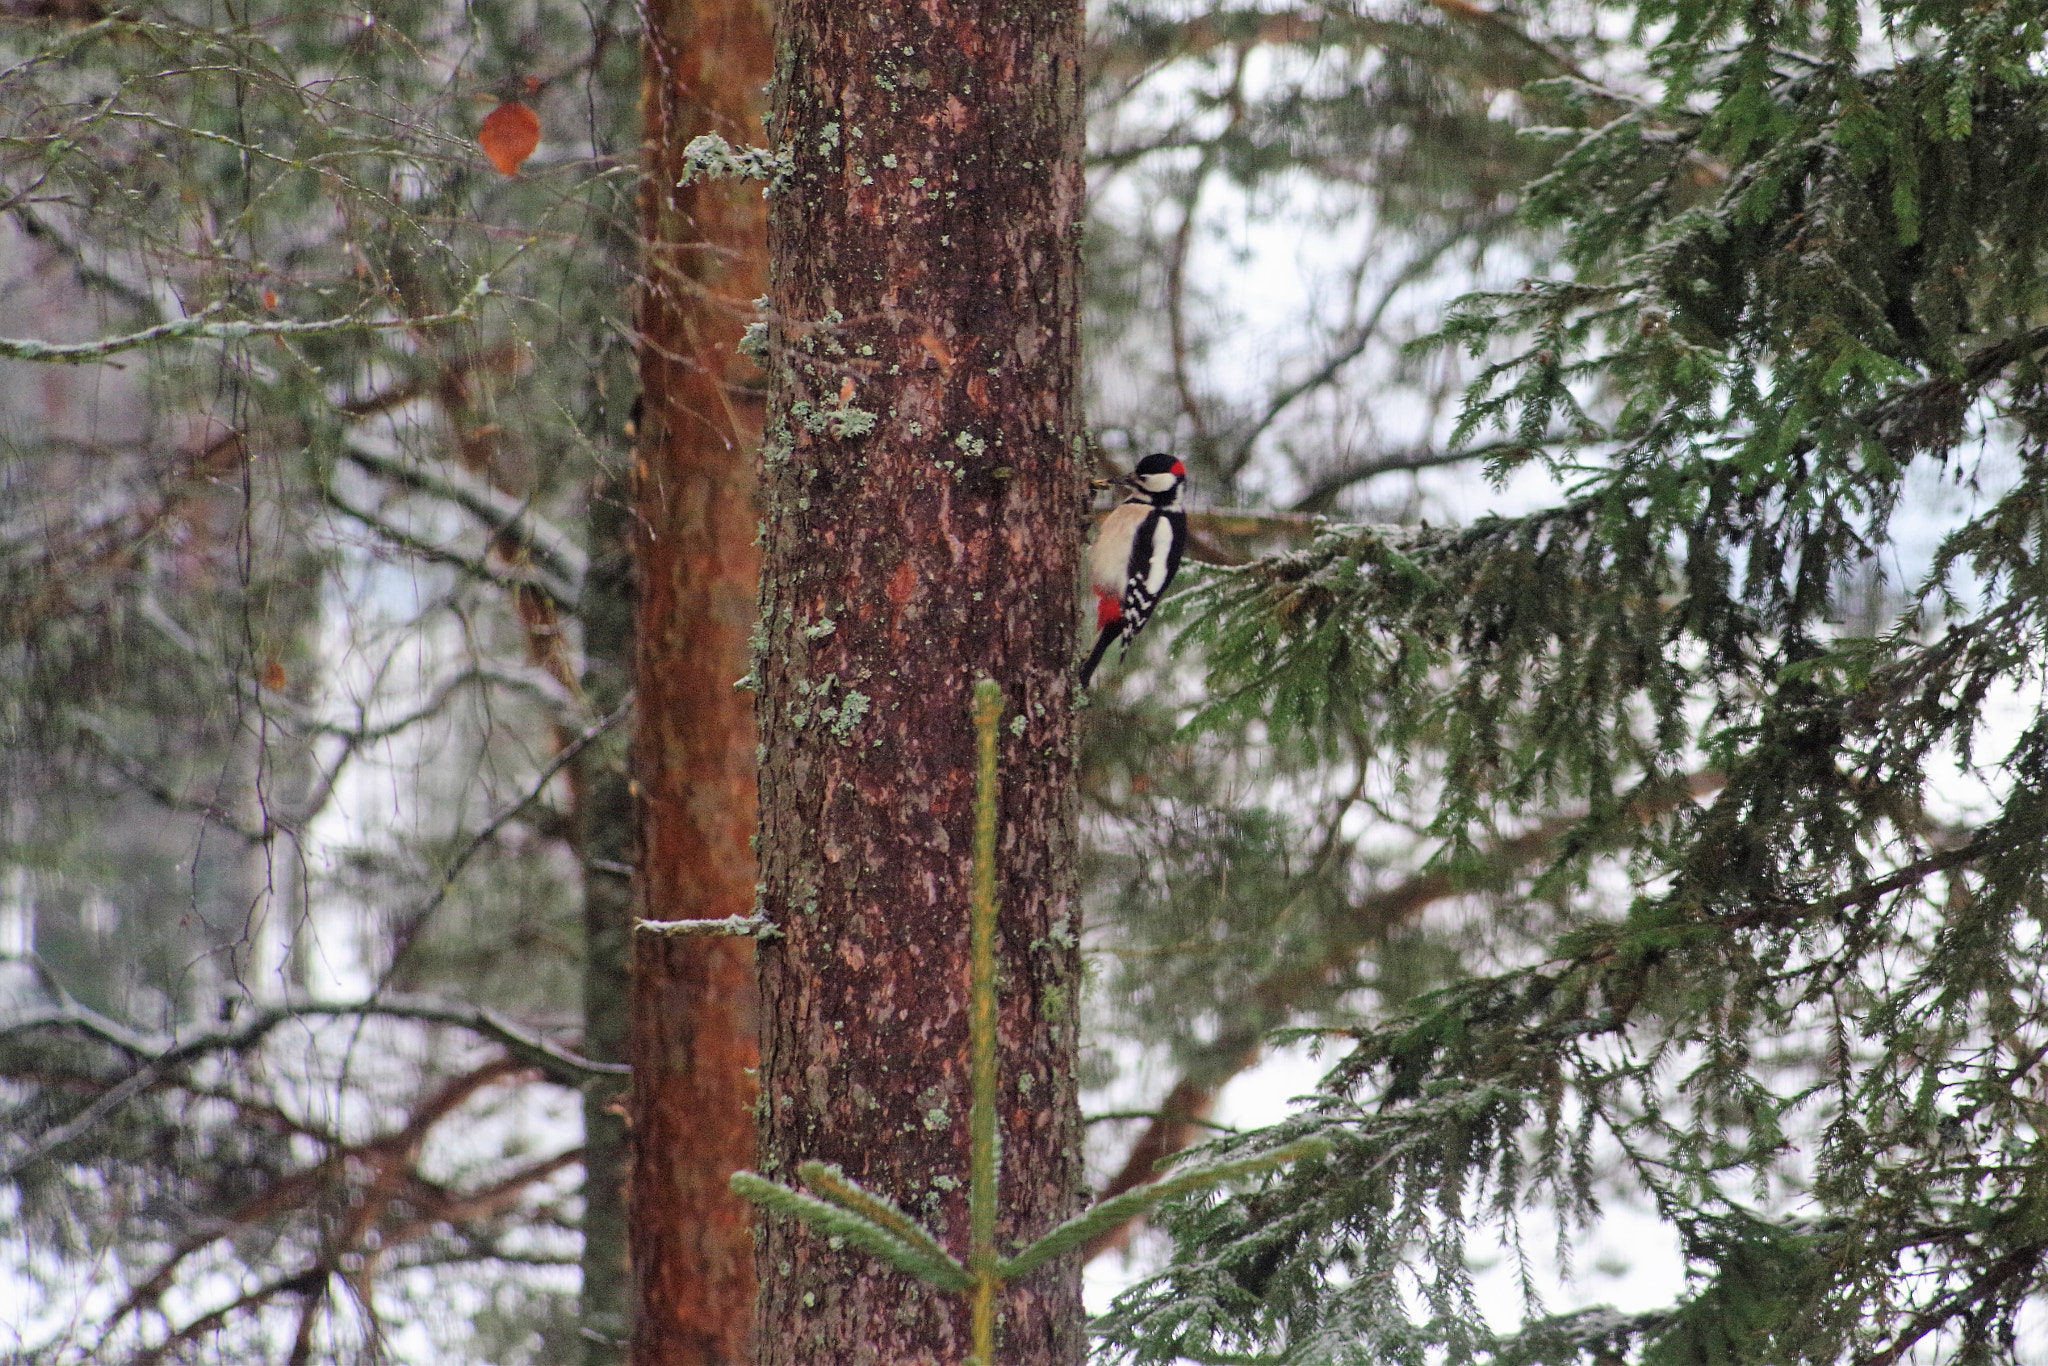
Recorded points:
(297, 686)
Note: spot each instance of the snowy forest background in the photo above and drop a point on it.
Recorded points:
(296, 691)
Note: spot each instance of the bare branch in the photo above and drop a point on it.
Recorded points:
(1139, 47)
(167, 1054)
(83, 270)
(1362, 336)
(460, 1207)
(408, 933)
(2020, 1259)
(759, 927)
(144, 779)
(1505, 56)
(529, 680)
(312, 1282)
(1318, 495)
(71, 1012)
(558, 1063)
(510, 577)
(532, 681)
(207, 326)
(504, 514)
(111, 1100)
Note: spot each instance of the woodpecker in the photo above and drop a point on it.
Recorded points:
(1137, 553)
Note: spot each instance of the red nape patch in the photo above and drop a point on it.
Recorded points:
(1108, 610)
(1179, 468)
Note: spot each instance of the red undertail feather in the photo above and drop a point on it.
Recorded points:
(1108, 609)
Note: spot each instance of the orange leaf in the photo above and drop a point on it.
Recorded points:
(270, 298)
(509, 136)
(274, 676)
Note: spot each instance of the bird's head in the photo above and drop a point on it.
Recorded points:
(1157, 476)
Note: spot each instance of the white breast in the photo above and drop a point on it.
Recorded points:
(1112, 554)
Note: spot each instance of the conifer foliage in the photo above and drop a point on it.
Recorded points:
(1801, 314)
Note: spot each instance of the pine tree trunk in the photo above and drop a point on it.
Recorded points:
(694, 1037)
(925, 245)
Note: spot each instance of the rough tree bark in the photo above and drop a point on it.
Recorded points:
(694, 1032)
(924, 515)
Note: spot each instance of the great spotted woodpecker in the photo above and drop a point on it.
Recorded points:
(1137, 553)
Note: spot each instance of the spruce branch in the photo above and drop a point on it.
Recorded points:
(512, 577)
(835, 1221)
(835, 1185)
(1121, 1209)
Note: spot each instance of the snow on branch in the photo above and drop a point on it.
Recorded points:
(207, 325)
(163, 1055)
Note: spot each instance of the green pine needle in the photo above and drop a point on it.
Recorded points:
(835, 1222)
(836, 1186)
(1121, 1209)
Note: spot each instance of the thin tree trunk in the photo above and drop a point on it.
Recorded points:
(604, 843)
(694, 1035)
(926, 273)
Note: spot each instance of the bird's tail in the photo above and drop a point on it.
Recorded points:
(1103, 640)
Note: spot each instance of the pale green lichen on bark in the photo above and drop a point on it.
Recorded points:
(839, 419)
(711, 157)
